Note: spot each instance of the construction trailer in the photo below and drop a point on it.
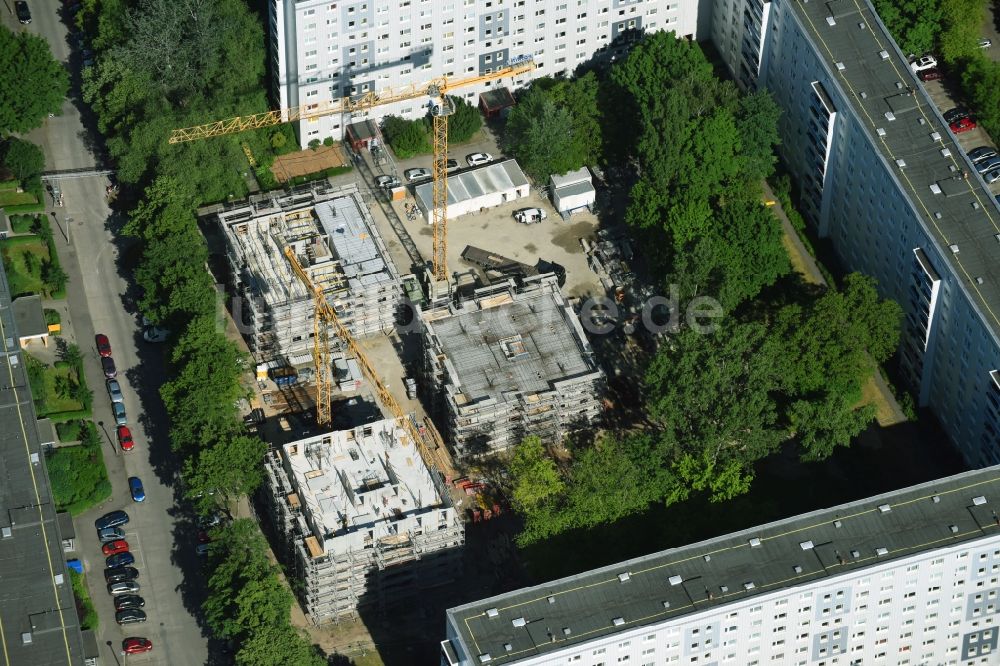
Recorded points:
(511, 361)
(363, 521)
(474, 190)
(573, 192)
(336, 242)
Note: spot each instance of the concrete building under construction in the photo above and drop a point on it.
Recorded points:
(335, 241)
(364, 521)
(509, 362)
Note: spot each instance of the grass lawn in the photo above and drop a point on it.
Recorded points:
(23, 263)
(69, 431)
(79, 478)
(15, 198)
(84, 606)
(57, 389)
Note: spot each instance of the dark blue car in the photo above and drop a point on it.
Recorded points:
(120, 560)
(135, 487)
(113, 519)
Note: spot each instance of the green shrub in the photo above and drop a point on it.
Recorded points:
(7, 185)
(52, 317)
(328, 141)
(77, 473)
(25, 208)
(69, 431)
(314, 144)
(84, 605)
(407, 138)
(22, 224)
(278, 140)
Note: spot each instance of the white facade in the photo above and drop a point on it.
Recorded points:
(881, 177)
(326, 49)
(573, 191)
(861, 584)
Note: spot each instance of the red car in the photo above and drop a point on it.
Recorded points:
(103, 345)
(136, 645)
(115, 547)
(962, 125)
(933, 74)
(203, 537)
(125, 438)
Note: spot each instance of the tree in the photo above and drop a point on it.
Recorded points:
(581, 97)
(406, 137)
(757, 125)
(464, 122)
(540, 135)
(915, 24)
(218, 474)
(534, 474)
(23, 158)
(32, 83)
(981, 81)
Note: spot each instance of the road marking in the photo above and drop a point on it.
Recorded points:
(3, 641)
(38, 503)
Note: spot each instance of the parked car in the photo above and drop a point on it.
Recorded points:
(110, 534)
(212, 520)
(981, 153)
(988, 164)
(985, 43)
(125, 438)
(136, 645)
(108, 366)
(416, 174)
(386, 182)
(119, 560)
(203, 537)
(125, 587)
(127, 601)
(103, 344)
(962, 125)
(155, 334)
(992, 176)
(956, 114)
(115, 547)
(530, 215)
(135, 487)
(201, 550)
(113, 519)
(923, 62)
(115, 391)
(475, 159)
(118, 409)
(23, 13)
(451, 164)
(130, 616)
(120, 575)
(932, 74)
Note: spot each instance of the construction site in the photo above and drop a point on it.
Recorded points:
(331, 234)
(510, 361)
(352, 506)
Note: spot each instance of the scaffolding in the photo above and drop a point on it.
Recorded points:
(507, 363)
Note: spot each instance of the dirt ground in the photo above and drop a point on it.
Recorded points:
(307, 161)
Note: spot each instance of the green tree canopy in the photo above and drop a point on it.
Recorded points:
(32, 83)
(24, 159)
(535, 475)
(539, 133)
(406, 137)
(217, 475)
(915, 24)
(464, 123)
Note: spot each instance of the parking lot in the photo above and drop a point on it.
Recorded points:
(494, 229)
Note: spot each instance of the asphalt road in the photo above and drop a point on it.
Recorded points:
(161, 538)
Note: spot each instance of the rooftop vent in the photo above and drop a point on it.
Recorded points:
(754, 542)
(883, 54)
(707, 558)
(485, 657)
(830, 21)
(797, 569)
(550, 599)
(936, 499)
(748, 585)
(884, 508)
(901, 163)
(979, 500)
(624, 576)
(975, 205)
(953, 529)
(841, 66)
(723, 588)
(34, 457)
(675, 580)
(935, 188)
(26, 638)
(945, 152)
(508, 647)
(936, 136)
(880, 131)
(666, 604)
(997, 236)
(519, 622)
(59, 579)
(899, 85)
(979, 280)
(863, 95)
(954, 250)
(806, 545)
(855, 554)
(881, 552)
(862, 25)
(566, 631)
(618, 621)
(921, 121)
(5, 532)
(938, 215)
(838, 524)
(492, 612)
(890, 116)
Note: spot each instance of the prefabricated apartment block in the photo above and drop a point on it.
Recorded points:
(509, 362)
(364, 520)
(335, 241)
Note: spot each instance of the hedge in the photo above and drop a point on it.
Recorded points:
(325, 173)
(25, 208)
(8, 185)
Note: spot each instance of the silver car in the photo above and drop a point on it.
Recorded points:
(119, 411)
(988, 164)
(125, 587)
(416, 174)
(115, 391)
(992, 176)
(111, 534)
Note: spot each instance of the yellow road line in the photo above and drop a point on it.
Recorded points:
(38, 503)
(3, 641)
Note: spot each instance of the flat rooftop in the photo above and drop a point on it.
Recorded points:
(352, 481)
(332, 236)
(959, 212)
(38, 622)
(797, 551)
(474, 183)
(503, 341)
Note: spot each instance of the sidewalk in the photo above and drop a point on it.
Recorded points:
(875, 391)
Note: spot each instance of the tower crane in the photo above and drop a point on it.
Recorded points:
(441, 107)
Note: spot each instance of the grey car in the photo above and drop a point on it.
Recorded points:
(124, 587)
(115, 391)
(988, 164)
(110, 534)
(992, 176)
(131, 616)
(119, 412)
(981, 153)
